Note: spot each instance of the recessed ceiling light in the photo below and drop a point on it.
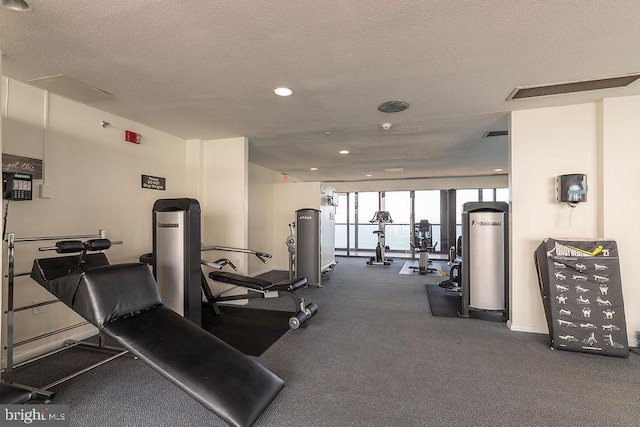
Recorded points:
(19, 5)
(343, 151)
(498, 170)
(313, 169)
(368, 174)
(282, 91)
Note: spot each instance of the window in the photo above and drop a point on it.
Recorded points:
(502, 195)
(398, 233)
(427, 206)
(356, 210)
(462, 197)
(368, 204)
(342, 221)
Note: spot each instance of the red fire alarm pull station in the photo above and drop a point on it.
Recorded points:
(132, 137)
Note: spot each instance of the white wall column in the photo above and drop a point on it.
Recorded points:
(546, 143)
(223, 196)
(620, 196)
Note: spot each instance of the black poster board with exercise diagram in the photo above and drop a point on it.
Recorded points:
(582, 295)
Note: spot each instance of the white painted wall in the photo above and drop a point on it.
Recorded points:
(261, 205)
(620, 198)
(288, 198)
(94, 179)
(223, 196)
(600, 140)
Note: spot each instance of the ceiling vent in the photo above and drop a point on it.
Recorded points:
(579, 86)
(70, 88)
(394, 170)
(393, 106)
(493, 133)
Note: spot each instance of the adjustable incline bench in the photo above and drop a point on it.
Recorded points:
(259, 288)
(265, 289)
(123, 302)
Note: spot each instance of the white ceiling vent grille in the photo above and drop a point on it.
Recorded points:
(394, 170)
(70, 88)
(571, 87)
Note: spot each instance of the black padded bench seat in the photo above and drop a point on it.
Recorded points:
(12, 395)
(266, 289)
(123, 301)
(257, 284)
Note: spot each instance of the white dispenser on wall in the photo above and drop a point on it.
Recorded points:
(571, 189)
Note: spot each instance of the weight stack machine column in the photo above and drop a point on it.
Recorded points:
(176, 249)
(485, 267)
(308, 246)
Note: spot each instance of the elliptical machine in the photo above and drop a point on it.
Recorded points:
(423, 244)
(382, 218)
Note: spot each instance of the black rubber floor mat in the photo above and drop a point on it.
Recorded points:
(249, 330)
(443, 303)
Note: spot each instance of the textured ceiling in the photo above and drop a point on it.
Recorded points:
(206, 69)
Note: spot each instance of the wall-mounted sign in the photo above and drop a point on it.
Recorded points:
(153, 182)
(18, 164)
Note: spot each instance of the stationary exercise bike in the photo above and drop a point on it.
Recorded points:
(422, 242)
(382, 218)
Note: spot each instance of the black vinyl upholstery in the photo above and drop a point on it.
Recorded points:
(123, 301)
(13, 395)
(224, 380)
(257, 284)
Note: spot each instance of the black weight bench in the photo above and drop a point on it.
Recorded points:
(123, 302)
(265, 289)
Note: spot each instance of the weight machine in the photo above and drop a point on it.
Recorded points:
(312, 264)
(64, 245)
(382, 218)
(177, 262)
(257, 288)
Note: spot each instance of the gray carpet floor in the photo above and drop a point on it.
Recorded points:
(375, 356)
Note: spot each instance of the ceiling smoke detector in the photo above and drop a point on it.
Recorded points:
(393, 106)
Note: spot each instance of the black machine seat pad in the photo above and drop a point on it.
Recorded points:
(288, 285)
(224, 380)
(257, 284)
